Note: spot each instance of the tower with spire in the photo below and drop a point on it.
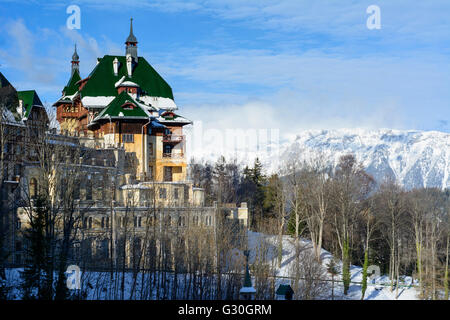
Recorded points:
(131, 44)
(247, 291)
(75, 61)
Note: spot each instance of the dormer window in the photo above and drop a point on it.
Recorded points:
(168, 115)
(128, 106)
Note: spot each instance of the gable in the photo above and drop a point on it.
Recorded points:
(29, 99)
(123, 106)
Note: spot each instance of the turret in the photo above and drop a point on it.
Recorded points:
(75, 61)
(131, 44)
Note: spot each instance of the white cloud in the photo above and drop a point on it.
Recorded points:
(30, 65)
(378, 89)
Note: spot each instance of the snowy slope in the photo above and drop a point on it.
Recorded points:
(413, 158)
(378, 290)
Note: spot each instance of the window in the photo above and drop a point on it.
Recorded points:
(162, 193)
(127, 138)
(100, 194)
(175, 193)
(186, 193)
(76, 191)
(17, 169)
(90, 223)
(167, 149)
(88, 190)
(150, 148)
(128, 106)
(150, 172)
(107, 222)
(137, 222)
(167, 173)
(103, 222)
(33, 188)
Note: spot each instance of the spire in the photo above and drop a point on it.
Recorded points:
(131, 43)
(247, 291)
(247, 279)
(131, 38)
(75, 61)
(75, 54)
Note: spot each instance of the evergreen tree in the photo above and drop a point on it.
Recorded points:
(346, 267)
(291, 225)
(364, 274)
(36, 277)
(271, 195)
(259, 181)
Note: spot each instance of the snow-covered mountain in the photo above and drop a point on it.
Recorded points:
(413, 158)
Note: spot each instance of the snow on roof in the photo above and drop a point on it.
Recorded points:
(178, 119)
(119, 82)
(159, 102)
(96, 102)
(247, 290)
(8, 116)
(128, 84)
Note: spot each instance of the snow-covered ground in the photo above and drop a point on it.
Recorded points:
(378, 290)
(99, 286)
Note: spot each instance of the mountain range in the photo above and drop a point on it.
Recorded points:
(413, 158)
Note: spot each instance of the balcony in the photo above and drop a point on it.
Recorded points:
(173, 138)
(173, 156)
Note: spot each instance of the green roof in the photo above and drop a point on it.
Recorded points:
(71, 86)
(102, 79)
(115, 107)
(29, 99)
(284, 289)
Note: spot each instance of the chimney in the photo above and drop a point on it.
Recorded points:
(129, 64)
(116, 66)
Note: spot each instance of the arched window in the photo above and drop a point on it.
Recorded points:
(33, 188)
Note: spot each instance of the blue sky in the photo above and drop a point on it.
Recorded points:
(288, 64)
